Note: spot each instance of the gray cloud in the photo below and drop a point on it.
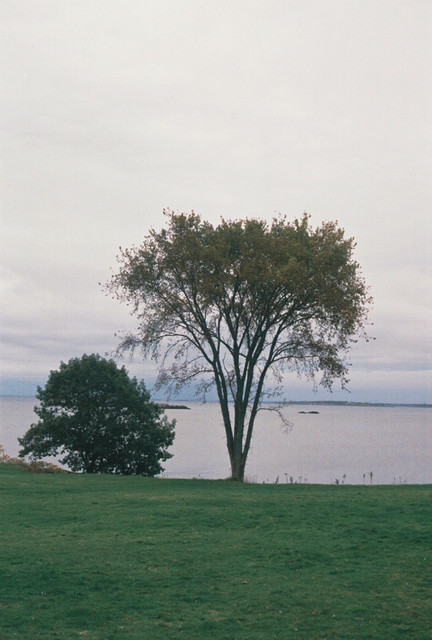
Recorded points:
(112, 112)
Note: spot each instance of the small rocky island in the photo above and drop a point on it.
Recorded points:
(166, 405)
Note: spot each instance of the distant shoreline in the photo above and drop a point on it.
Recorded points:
(344, 403)
(331, 403)
(168, 405)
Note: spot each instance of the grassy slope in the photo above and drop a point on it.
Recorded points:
(112, 557)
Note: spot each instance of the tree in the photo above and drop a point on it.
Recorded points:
(100, 420)
(237, 304)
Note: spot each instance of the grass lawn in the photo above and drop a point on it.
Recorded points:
(104, 557)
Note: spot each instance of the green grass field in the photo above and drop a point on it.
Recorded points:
(104, 557)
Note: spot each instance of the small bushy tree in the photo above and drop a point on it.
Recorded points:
(99, 420)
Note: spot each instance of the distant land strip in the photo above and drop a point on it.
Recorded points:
(167, 405)
(345, 403)
(335, 403)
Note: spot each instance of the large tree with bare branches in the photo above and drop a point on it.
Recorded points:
(236, 305)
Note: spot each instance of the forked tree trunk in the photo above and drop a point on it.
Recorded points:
(238, 448)
(237, 469)
(238, 455)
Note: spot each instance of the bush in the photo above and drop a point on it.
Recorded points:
(99, 420)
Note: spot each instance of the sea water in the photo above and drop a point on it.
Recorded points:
(340, 444)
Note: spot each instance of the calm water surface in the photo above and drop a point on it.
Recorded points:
(343, 443)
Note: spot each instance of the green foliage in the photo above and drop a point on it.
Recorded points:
(238, 304)
(103, 557)
(99, 420)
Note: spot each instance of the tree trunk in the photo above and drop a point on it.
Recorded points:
(239, 449)
(237, 469)
(238, 460)
(234, 435)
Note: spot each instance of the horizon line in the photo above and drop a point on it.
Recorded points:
(355, 403)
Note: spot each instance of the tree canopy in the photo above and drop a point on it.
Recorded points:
(99, 420)
(237, 304)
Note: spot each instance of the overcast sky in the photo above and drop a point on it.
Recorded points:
(114, 110)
